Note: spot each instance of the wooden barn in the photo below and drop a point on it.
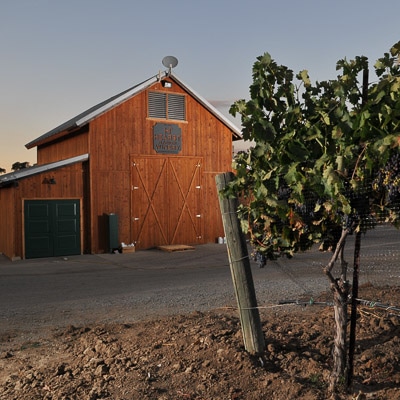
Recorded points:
(137, 168)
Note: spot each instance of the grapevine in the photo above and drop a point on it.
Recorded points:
(387, 181)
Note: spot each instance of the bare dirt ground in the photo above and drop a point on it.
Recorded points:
(201, 356)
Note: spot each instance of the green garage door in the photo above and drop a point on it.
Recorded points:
(52, 228)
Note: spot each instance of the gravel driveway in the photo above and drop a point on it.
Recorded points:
(40, 293)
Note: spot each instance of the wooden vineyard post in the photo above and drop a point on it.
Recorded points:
(241, 272)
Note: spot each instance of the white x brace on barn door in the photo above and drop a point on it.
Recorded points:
(166, 201)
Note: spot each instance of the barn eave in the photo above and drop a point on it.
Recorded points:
(88, 115)
(13, 177)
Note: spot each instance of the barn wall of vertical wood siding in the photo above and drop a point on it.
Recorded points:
(69, 185)
(61, 149)
(7, 218)
(125, 131)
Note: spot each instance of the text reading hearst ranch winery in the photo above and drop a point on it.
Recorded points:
(167, 138)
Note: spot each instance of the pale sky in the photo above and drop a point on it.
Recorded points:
(59, 58)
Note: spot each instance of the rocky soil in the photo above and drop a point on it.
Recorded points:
(201, 356)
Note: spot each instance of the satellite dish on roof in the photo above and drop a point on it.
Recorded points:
(170, 62)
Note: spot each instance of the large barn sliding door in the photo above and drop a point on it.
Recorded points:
(166, 201)
(52, 228)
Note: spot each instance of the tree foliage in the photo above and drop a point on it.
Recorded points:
(20, 165)
(323, 154)
(325, 163)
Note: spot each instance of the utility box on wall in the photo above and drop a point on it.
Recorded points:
(113, 235)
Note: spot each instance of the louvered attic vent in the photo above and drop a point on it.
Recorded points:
(167, 106)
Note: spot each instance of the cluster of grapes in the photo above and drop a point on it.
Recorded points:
(388, 179)
(259, 258)
(307, 209)
(284, 192)
(360, 215)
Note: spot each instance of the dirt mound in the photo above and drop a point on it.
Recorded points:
(201, 356)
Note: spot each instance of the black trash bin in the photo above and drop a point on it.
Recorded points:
(113, 236)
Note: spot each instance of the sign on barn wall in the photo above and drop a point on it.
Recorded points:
(167, 138)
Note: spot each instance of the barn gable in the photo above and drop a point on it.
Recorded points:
(93, 112)
(154, 150)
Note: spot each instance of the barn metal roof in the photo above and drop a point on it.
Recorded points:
(93, 112)
(11, 177)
